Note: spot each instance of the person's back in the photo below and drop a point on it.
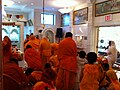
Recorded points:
(32, 57)
(81, 61)
(45, 50)
(92, 73)
(12, 69)
(115, 84)
(32, 41)
(67, 53)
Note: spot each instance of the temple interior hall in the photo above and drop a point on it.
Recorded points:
(93, 24)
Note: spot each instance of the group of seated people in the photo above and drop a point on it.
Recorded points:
(41, 75)
(36, 73)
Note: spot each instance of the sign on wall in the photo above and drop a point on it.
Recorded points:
(108, 17)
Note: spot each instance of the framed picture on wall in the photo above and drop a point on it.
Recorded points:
(65, 19)
(80, 16)
(107, 7)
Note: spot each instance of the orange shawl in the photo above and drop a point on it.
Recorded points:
(40, 86)
(91, 77)
(113, 77)
(55, 47)
(15, 72)
(67, 54)
(45, 47)
(32, 57)
(33, 42)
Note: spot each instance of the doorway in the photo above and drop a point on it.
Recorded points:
(105, 35)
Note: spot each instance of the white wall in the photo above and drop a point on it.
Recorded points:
(100, 20)
(37, 19)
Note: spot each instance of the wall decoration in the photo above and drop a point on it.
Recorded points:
(65, 19)
(107, 7)
(80, 16)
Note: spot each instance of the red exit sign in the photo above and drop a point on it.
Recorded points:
(108, 17)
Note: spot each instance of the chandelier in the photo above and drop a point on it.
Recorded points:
(65, 10)
(66, 4)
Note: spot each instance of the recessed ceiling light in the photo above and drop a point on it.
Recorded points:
(32, 3)
(65, 3)
(19, 2)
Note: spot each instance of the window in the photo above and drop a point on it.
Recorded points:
(13, 33)
(48, 19)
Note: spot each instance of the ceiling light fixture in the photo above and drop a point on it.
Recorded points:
(7, 3)
(65, 10)
(66, 4)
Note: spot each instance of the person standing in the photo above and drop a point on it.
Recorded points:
(81, 61)
(45, 50)
(112, 53)
(67, 53)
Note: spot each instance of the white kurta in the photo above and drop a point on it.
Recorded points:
(112, 55)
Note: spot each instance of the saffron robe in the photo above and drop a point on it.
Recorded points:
(92, 74)
(33, 42)
(45, 50)
(115, 84)
(15, 72)
(32, 57)
(67, 53)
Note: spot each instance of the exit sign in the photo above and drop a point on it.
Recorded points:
(108, 17)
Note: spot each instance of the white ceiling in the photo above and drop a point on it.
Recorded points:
(27, 5)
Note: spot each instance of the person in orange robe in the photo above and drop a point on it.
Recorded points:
(45, 50)
(92, 73)
(67, 53)
(55, 47)
(33, 42)
(37, 39)
(115, 84)
(41, 86)
(27, 39)
(7, 49)
(47, 77)
(32, 57)
(12, 69)
(54, 58)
